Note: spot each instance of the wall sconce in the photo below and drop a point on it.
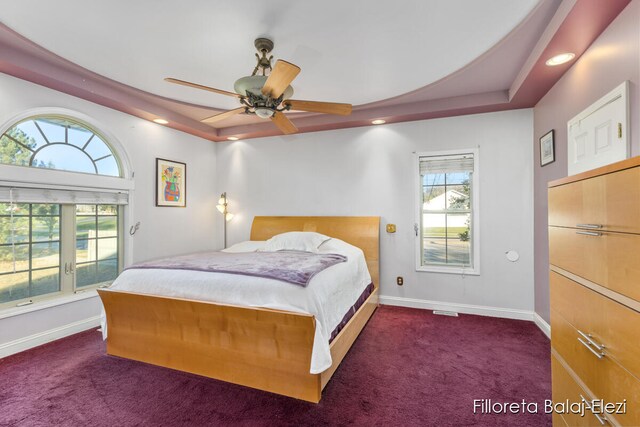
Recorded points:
(222, 206)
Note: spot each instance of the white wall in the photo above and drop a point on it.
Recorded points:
(370, 171)
(361, 171)
(163, 231)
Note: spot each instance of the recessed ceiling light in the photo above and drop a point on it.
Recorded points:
(378, 122)
(560, 59)
(161, 121)
(233, 138)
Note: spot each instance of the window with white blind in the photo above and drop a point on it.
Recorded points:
(55, 242)
(447, 215)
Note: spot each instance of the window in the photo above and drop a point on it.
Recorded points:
(48, 249)
(447, 212)
(57, 142)
(60, 231)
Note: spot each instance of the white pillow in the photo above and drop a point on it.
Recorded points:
(248, 246)
(337, 246)
(295, 241)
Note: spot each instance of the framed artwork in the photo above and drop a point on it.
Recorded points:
(547, 148)
(171, 183)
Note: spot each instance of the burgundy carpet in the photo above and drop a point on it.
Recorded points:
(408, 368)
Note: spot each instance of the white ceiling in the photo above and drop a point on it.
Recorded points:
(349, 51)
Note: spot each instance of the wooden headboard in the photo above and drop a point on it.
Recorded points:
(360, 231)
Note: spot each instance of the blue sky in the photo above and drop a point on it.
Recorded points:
(69, 156)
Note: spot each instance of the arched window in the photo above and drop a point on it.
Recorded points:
(58, 142)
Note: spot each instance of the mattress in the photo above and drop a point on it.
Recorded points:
(331, 296)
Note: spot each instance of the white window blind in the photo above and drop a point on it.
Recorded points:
(446, 164)
(62, 196)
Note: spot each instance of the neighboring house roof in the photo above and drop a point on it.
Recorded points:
(438, 202)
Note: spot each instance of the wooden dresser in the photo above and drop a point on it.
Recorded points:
(594, 252)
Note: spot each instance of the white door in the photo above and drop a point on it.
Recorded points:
(599, 135)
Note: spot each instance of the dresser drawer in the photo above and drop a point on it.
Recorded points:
(608, 259)
(608, 323)
(566, 388)
(604, 377)
(611, 201)
(558, 421)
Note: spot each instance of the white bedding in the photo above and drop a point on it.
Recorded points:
(328, 296)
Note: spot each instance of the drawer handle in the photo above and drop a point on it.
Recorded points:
(590, 340)
(600, 418)
(603, 421)
(591, 226)
(597, 354)
(589, 233)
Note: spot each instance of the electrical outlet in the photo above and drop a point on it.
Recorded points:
(400, 281)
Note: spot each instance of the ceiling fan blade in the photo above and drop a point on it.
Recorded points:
(202, 87)
(222, 116)
(320, 107)
(283, 123)
(280, 78)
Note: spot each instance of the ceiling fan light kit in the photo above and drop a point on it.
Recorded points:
(264, 113)
(268, 95)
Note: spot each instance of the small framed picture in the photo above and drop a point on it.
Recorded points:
(547, 148)
(171, 183)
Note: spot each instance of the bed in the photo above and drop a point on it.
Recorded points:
(263, 348)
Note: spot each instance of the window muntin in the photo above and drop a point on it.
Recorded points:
(34, 261)
(446, 213)
(61, 143)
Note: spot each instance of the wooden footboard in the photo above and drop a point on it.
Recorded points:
(265, 349)
(261, 348)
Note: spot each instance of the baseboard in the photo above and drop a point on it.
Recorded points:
(35, 340)
(506, 313)
(542, 324)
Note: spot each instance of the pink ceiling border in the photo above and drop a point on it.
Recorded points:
(583, 23)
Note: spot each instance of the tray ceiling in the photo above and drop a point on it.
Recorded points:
(398, 61)
(349, 51)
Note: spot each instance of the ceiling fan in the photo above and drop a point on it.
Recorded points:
(268, 96)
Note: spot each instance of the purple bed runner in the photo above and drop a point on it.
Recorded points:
(288, 266)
